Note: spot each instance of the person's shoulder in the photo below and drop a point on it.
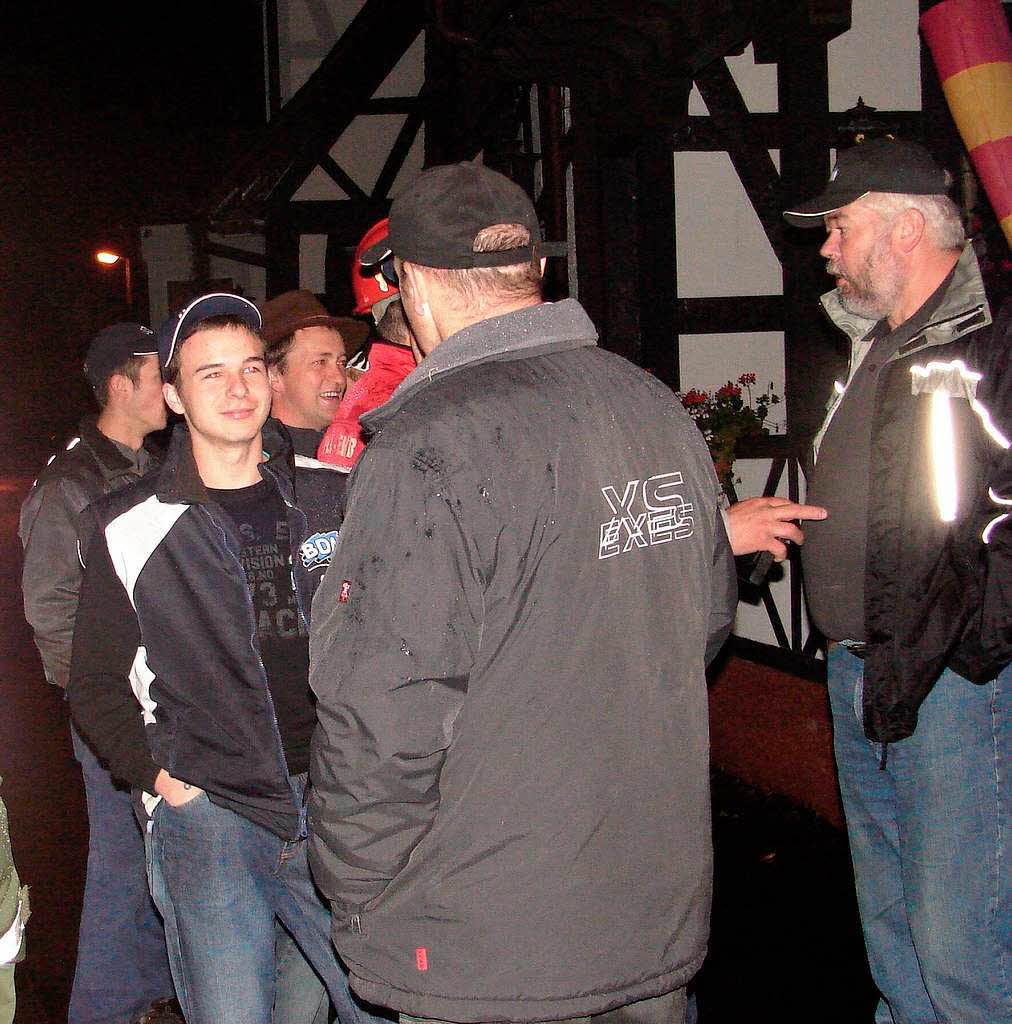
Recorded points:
(321, 476)
(72, 473)
(111, 504)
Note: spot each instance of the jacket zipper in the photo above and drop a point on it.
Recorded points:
(303, 830)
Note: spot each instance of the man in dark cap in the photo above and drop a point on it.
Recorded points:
(510, 811)
(190, 664)
(910, 577)
(121, 963)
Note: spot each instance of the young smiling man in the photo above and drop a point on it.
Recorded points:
(195, 597)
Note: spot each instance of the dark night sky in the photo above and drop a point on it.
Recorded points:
(111, 115)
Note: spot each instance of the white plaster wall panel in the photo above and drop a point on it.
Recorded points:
(250, 280)
(299, 70)
(721, 246)
(756, 82)
(361, 151)
(413, 163)
(320, 185)
(301, 44)
(312, 263)
(408, 75)
(878, 59)
(168, 256)
(303, 49)
(707, 361)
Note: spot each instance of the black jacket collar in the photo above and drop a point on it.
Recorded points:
(179, 480)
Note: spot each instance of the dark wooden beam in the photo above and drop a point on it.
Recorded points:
(388, 105)
(768, 446)
(345, 218)
(702, 133)
(731, 314)
(748, 151)
(271, 57)
(552, 202)
(658, 280)
(620, 235)
(282, 245)
(232, 252)
(587, 202)
(341, 178)
(936, 126)
(323, 22)
(805, 666)
(398, 153)
(810, 357)
(307, 126)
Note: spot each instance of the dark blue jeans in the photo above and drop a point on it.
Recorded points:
(121, 963)
(299, 995)
(929, 838)
(220, 882)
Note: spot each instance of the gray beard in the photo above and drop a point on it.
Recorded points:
(867, 306)
(873, 302)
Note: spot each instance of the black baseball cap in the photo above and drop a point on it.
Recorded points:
(435, 221)
(203, 308)
(881, 165)
(113, 346)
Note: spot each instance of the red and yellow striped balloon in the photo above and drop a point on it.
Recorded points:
(972, 49)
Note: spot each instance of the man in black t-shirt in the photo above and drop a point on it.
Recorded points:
(194, 606)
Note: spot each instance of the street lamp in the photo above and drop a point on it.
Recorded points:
(109, 258)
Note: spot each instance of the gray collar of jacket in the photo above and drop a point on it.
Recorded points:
(547, 327)
(963, 309)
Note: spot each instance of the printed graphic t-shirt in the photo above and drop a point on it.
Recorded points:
(259, 515)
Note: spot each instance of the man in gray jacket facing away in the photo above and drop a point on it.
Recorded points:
(511, 813)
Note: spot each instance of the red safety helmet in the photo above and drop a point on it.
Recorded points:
(368, 284)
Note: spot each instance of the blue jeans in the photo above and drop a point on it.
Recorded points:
(121, 963)
(929, 842)
(300, 997)
(220, 882)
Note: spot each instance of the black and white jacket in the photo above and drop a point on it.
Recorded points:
(166, 613)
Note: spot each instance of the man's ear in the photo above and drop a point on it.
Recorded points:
(171, 396)
(417, 289)
(276, 379)
(120, 385)
(909, 229)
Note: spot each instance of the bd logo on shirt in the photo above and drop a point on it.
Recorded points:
(317, 550)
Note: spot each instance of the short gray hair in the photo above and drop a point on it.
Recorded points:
(942, 223)
(393, 325)
(481, 286)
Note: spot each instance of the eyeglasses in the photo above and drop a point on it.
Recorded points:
(389, 271)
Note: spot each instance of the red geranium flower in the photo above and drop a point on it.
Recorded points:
(693, 398)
